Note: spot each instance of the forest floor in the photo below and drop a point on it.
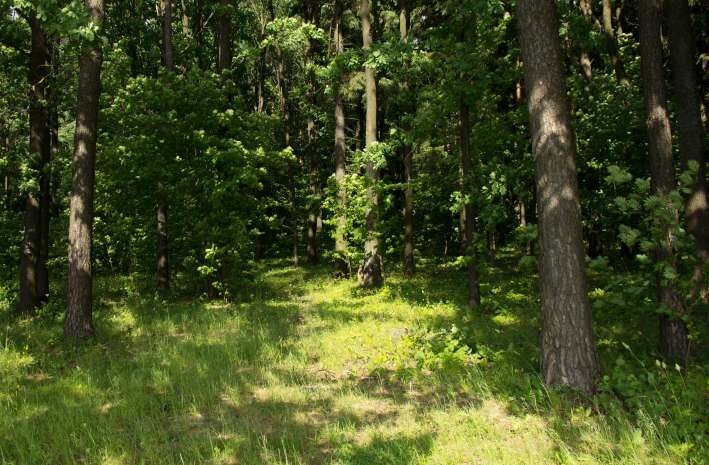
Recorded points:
(311, 370)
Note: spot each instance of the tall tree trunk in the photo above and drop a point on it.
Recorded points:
(691, 132)
(407, 155)
(370, 273)
(341, 261)
(78, 321)
(163, 243)
(33, 268)
(568, 352)
(468, 216)
(312, 14)
(673, 331)
(223, 36)
(612, 42)
(168, 59)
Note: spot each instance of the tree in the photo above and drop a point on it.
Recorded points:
(33, 276)
(691, 133)
(568, 352)
(370, 273)
(163, 240)
(673, 331)
(223, 35)
(78, 319)
(407, 157)
(468, 216)
(341, 261)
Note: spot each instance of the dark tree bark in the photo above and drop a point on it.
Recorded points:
(568, 352)
(78, 321)
(370, 273)
(224, 36)
(163, 242)
(33, 273)
(468, 215)
(673, 331)
(691, 132)
(168, 59)
(407, 156)
(341, 262)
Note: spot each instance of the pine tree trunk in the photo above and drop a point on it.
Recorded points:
(312, 14)
(78, 321)
(691, 132)
(370, 273)
(674, 342)
(341, 261)
(568, 352)
(468, 215)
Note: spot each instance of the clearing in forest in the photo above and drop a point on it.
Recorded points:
(311, 370)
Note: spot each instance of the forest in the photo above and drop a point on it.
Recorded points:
(354, 232)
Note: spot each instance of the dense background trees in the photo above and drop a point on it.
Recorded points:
(368, 134)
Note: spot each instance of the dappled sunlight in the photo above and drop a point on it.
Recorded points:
(314, 373)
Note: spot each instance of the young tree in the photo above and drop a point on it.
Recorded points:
(370, 273)
(673, 331)
(78, 319)
(163, 240)
(32, 269)
(407, 158)
(568, 352)
(341, 263)
(468, 216)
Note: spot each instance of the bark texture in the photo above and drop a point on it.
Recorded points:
(370, 273)
(78, 321)
(673, 331)
(568, 352)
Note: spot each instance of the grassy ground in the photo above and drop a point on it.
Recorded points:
(310, 370)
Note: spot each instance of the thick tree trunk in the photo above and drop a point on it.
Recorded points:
(341, 261)
(568, 355)
(370, 273)
(407, 155)
(675, 344)
(78, 321)
(33, 263)
(468, 215)
(312, 14)
(224, 36)
(691, 132)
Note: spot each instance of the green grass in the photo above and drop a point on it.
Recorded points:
(310, 370)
